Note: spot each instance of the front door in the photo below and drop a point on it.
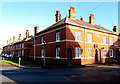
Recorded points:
(69, 55)
(97, 56)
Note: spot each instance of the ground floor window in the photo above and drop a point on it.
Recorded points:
(111, 52)
(78, 52)
(57, 52)
(90, 52)
(42, 52)
(105, 53)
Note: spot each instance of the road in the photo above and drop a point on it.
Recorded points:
(64, 75)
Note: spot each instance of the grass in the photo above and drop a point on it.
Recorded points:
(8, 62)
(16, 62)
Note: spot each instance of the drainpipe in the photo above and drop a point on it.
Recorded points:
(84, 45)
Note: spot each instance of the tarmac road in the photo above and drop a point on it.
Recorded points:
(88, 74)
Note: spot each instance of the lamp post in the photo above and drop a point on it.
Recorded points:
(45, 45)
(34, 47)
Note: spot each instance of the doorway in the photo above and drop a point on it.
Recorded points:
(69, 55)
(98, 56)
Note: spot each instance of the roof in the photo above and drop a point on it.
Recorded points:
(76, 22)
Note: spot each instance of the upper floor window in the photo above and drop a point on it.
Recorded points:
(78, 52)
(57, 36)
(104, 40)
(42, 52)
(22, 52)
(90, 52)
(78, 36)
(111, 41)
(111, 52)
(57, 52)
(22, 45)
(104, 52)
(89, 37)
(42, 40)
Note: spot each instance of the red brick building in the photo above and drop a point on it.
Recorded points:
(21, 47)
(75, 41)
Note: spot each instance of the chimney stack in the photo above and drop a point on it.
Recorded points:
(13, 39)
(20, 37)
(10, 41)
(58, 16)
(72, 12)
(7, 42)
(27, 34)
(115, 29)
(91, 19)
(36, 30)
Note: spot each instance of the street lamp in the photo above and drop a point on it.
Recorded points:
(45, 45)
(34, 47)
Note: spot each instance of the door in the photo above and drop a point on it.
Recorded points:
(69, 55)
(97, 56)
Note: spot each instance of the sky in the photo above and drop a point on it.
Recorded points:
(17, 17)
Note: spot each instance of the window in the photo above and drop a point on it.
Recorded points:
(57, 52)
(78, 36)
(104, 52)
(78, 52)
(57, 36)
(89, 37)
(42, 39)
(104, 40)
(22, 45)
(22, 52)
(111, 41)
(90, 52)
(111, 52)
(42, 52)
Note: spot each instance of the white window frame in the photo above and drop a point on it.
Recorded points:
(105, 53)
(78, 36)
(90, 53)
(58, 52)
(42, 40)
(89, 38)
(42, 52)
(104, 40)
(111, 52)
(22, 52)
(58, 36)
(78, 52)
(111, 41)
(22, 45)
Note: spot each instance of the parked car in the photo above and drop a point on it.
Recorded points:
(7, 55)
(2, 55)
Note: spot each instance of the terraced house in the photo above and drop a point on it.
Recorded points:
(75, 41)
(20, 47)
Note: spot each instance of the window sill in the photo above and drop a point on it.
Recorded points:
(42, 56)
(58, 41)
(57, 57)
(77, 57)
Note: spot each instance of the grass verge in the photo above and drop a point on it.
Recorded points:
(16, 62)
